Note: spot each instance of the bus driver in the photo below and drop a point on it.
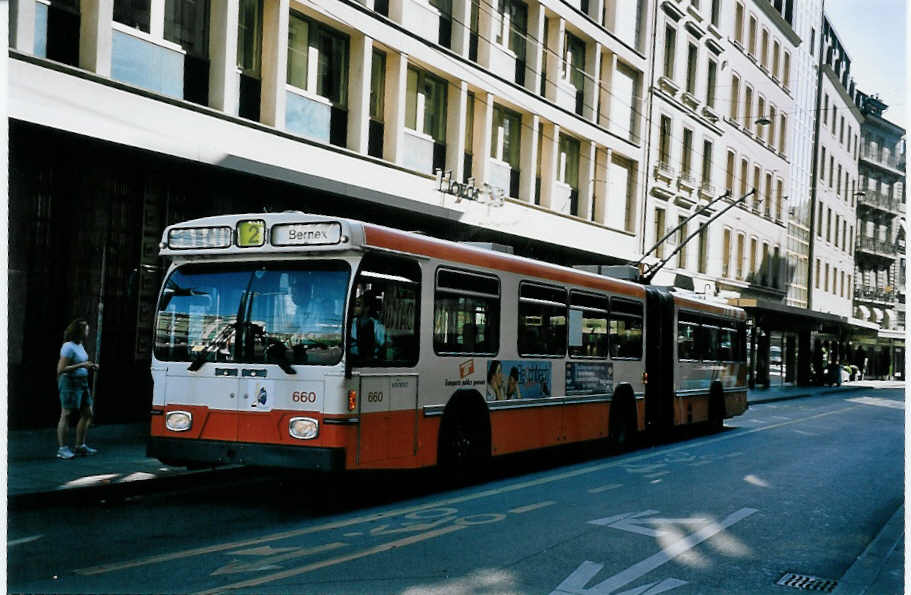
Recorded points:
(368, 335)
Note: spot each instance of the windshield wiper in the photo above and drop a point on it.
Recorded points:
(218, 341)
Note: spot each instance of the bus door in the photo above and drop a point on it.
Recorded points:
(383, 353)
(659, 358)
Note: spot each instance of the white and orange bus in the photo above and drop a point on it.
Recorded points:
(305, 341)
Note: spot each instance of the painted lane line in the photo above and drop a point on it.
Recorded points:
(23, 540)
(157, 559)
(575, 583)
(654, 475)
(530, 507)
(269, 562)
(878, 402)
(334, 561)
(612, 486)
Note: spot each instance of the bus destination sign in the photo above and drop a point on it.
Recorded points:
(307, 234)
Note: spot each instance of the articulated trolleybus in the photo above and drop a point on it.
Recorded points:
(304, 341)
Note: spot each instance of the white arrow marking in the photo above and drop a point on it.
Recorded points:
(631, 522)
(575, 583)
(269, 563)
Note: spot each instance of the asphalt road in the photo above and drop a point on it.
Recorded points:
(798, 486)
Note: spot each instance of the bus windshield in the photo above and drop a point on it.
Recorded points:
(280, 313)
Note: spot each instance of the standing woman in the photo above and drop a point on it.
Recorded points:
(73, 383)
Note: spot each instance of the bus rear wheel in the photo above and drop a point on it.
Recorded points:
(464, 444)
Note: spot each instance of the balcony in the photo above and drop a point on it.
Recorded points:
(665, 172)
(890, 161)
(876, 248)
(876, 295)
(707, 190)
(876, 200)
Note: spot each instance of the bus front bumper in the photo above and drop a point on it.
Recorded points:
(178, 452)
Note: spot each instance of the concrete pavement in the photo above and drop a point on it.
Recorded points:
(121, 467)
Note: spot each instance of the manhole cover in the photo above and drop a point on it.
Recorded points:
(807, 582)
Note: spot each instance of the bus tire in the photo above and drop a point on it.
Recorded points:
(465, 442)
(716, 407)
(623, 419)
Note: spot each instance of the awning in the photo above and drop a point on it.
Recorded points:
(878, 315)
(777, 316)
(863, 311)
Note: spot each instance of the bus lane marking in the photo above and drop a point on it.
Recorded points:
(350, 522)
(574, 584)
(458, 524)
(530, 507)
(632, 522)
(270, 562)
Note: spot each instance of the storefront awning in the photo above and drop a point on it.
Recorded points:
(878, 315)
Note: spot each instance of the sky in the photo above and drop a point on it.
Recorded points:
(873, 32)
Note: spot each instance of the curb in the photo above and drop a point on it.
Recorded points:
(867, 567)
(831, 391)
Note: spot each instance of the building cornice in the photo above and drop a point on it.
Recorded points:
(779, 21)
(846, 98)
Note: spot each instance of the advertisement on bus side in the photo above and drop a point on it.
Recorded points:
(508, 380)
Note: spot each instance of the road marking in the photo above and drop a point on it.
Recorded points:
(334, 561)
(878, 402)
(612, 486)
(659, 474)
(269, 562)
(23, 540)
(631, 522)
(531, 507)
(575, 583)
(167, 557)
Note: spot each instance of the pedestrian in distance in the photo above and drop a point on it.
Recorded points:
(73, 384)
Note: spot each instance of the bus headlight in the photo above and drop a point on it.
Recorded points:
(303, 428)
(179, 421)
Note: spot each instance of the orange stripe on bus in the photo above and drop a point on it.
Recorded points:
(400, 241)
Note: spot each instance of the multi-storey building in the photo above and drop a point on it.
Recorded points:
(721, 102)
(879, 266)
(512, 122)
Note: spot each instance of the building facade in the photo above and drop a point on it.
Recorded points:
(879, 291)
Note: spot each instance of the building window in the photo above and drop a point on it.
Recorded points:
(786, 71)
(425, 104)
(740, 240)
(692, 59)
(819, 221)
(748, 108)
(744, 177)
(377, 103)
(706, 163)
(817, 273)
(710, 83)
(837, 221)
(738, 23)
(838, 184)
(764, 58)
(729, 173)
(670, 50)
(779, 200)
(752, 46)
(828, 224)
(735, 97)
(716, 12)
(134, 13)
(703, 249)
(659, 232)
(767, 207)
(825, 109)
(782, 134)
(569, 169)
(822, 164)
(574, 64)
(624, 101)
(760, 113)
(686, 157)
(772, 117)
(664, 142)
(506, 136)
(726, 254)
(681, 236)
(776, 56)
(317, 59)
(754, 265)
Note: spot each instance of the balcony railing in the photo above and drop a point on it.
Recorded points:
(664, 170)
(874, 294)
(880, 201)
(894, 161)
(877, 247)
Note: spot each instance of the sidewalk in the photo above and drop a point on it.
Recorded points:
(34, 475)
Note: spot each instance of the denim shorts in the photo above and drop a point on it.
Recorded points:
(74, 392)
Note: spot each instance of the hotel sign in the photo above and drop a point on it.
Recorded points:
(485, 193)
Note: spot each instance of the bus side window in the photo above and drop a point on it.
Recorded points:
(710, 342)
(686, 341)
(384, 313)
(726, 351)
(625, 329)
(542, 320)
(466, 313)
(587, 325)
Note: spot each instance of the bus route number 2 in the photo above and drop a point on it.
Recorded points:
(303, 397)
(375, 397)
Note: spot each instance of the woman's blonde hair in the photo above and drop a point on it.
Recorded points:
(75, 331)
